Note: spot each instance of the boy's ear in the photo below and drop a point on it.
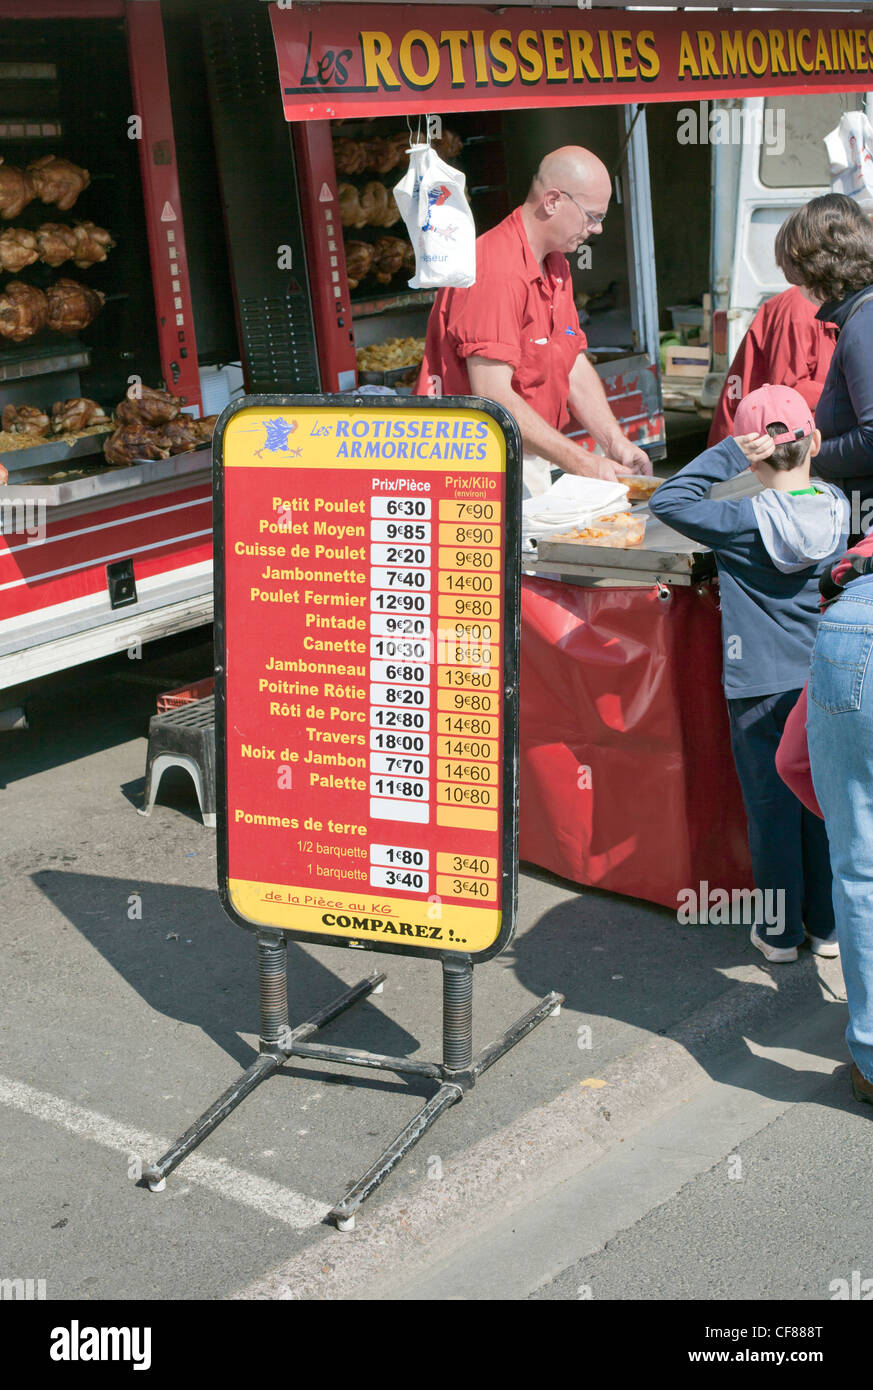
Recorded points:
(816, 443)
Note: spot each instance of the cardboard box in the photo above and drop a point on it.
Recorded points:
(687, 361)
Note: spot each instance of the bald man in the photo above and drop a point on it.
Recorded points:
(515, 336)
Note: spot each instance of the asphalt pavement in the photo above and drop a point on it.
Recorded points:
(131, 1003)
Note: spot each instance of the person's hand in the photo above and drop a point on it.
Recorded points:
(595, 466)
(631, 459)
(756, 447)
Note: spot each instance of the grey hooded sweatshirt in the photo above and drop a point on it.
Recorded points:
(770, 551)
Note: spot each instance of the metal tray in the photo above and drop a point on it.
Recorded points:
(42, 459)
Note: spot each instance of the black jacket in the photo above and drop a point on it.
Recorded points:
(844, 413)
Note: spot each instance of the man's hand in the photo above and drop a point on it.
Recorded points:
(596, 466)
(756, 447)
(631, 459)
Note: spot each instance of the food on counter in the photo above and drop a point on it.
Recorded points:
(4, 475)
(76, 414)
(359, 259)
(150, 426)
(56, 180)
(150, 408)
(18, 248)
(71, 306)
(640, 488)
(620, 530)
(393, 353)
(178, 436)
(132, 442)
(16, 190)
(23, 311)
(25, 420)
(92, 243)
(206, 427)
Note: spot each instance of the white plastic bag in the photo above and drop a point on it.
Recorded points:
(850, 152)
(434, 207)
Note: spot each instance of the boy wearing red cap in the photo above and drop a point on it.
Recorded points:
(769, 550)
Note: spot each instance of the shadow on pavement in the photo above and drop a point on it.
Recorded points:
(187, 961)
(619, 960)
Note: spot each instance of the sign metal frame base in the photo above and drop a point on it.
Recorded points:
(456, 1074)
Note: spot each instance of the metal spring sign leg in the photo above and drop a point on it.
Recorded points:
(457, 1073)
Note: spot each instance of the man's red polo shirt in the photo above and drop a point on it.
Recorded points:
(512, 314)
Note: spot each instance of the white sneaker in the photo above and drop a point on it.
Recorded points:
(820, 947)
(777, 954)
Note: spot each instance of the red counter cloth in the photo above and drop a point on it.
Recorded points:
(786, 345)
(626, 779)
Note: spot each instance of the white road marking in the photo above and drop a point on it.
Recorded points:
(218, 1176)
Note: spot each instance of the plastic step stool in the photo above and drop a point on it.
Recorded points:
(185, 738)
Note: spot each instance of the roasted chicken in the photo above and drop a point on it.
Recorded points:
(130, 443)
(350, 206)
(349, 156)
(389, 253)
(16, 190)
(178, 436)
(78, 413)
(92, 244)
(27, 420)
(71, 306)
(381, 156)
(23, 311)
(57, 180)
(151, 408)
(449, 145)
(359, 259)
(56, 242)
(18, 248)
(206, 427)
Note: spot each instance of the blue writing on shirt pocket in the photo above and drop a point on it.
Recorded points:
(839, 666)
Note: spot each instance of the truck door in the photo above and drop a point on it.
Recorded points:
(778, 164)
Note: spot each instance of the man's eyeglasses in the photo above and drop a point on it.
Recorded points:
(596, 219)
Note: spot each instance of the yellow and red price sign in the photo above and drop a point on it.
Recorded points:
(367, 624)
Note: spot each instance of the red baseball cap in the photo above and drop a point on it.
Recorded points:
(770, 404)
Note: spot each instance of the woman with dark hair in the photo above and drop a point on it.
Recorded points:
(826, 248)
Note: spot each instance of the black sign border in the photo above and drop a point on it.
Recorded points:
(511, 647)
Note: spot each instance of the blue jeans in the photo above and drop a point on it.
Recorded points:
(840, 729)
(788, 844)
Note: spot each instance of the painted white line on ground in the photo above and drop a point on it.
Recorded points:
(269, 1198)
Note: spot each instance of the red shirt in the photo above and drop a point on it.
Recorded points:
(512, 314)
(786, 345)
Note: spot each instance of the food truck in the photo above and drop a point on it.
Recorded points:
(260, 230)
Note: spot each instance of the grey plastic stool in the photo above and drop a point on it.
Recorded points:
(185, 738)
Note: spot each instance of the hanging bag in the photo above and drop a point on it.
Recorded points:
(434, 206)
(850, 152)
